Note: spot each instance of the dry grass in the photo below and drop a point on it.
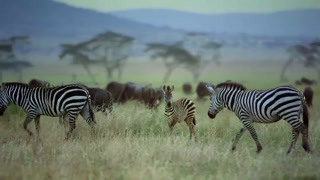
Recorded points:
(134, 143)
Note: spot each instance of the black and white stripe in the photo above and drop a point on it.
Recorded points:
(262, 106)
(178, 111)
(36, 101)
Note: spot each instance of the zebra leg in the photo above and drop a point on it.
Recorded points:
(295, 134)
(238, 136)
(254, 136)
(25, 124)
(298, 126)
(72, 124)
(37, 123)
(191, 128)
(171, 125)
(88, 115)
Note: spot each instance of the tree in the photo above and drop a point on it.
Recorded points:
(78, 57)
(308, 55)
(199, 45)
(9, 48)
(173, 57)
(110, 49)
(194, 51)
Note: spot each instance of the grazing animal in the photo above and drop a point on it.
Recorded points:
(38, 83)
(178, 111)
(187, 88)
(262, 106)
(116, 89)
(308, 94)
(101, 99)
(307, 81)
(70, 99)
(202, 90)
(151, 97)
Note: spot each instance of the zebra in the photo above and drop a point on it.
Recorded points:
(36, 101)
(177, 111)
(262, 106)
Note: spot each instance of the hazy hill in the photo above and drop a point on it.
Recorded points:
(44, 18)
(286, 23)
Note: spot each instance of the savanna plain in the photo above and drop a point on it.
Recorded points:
(133, 142)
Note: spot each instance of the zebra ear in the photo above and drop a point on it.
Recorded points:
(172, 87)
(164, 87)
(210, 89)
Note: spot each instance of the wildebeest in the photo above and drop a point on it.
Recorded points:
(152, 97)
(308, 94)
(101, 99)
(307, 81)
(38, 83)
(202, 90)
(116, 89)
(131, 91)
(187, 88)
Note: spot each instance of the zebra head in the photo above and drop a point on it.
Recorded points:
(3, 100)
(168, 94)
(215, 103)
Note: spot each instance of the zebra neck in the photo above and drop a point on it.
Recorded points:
(229, 99)
(18, 96)
(169, 108)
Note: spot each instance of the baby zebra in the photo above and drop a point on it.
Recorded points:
(55, 101)
(262, 106)
(178, 111)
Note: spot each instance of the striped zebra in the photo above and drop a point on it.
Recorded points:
(178, 111)
(262, 106)
(36, 101)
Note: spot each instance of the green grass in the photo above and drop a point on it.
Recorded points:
(134, 142)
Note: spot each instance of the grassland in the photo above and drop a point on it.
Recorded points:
(134, 142)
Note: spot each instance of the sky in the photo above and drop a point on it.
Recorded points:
(198, 6)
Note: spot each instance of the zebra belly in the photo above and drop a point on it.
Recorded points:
(271, 119)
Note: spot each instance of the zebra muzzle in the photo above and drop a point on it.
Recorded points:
(211, 115)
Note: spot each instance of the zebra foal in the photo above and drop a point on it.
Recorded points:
(36, 101)
(178, 111)
(262, 106)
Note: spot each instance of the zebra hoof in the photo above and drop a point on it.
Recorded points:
(233, 148)
(259, 148)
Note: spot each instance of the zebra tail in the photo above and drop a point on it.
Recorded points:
(305, 116)
(194, 121)
(90, 108)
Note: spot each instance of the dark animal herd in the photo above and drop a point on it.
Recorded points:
(116, 92)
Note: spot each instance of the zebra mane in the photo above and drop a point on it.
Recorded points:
(231, 84)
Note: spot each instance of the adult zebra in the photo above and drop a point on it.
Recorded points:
(36, 101)
(262, 106)
(178, 111)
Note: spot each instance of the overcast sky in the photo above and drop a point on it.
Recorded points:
(200, 6)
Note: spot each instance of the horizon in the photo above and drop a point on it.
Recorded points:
(200, 7)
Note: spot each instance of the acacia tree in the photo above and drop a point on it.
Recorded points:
(199, 45)
(9, 48)
(194, 52)
(110, 50)
(174, 56)
(309, 56)
(78, 57)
